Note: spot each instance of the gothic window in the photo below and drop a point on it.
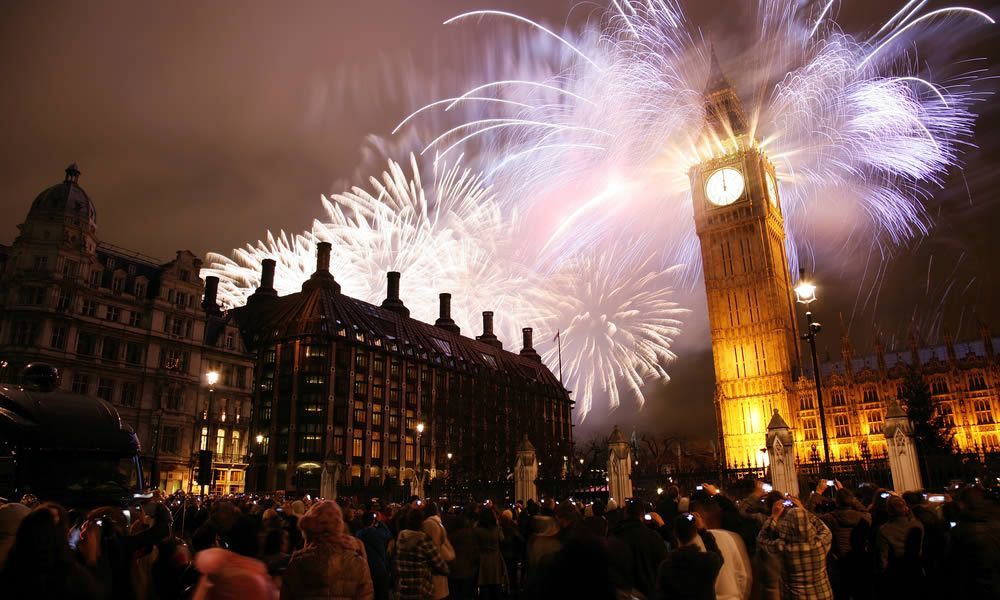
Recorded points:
(870, 395)
(134, 318)
(875, 422)
(984, 411)
(842, 426)
(220, 441)
(112, 313)
(838, 398)
(976, 382)
(140, 289)
(946, 411)
(204, 439)
(89, 308)
(939, 386)
(376, 445)
(806, 402)
(117, 284)
(989, 441)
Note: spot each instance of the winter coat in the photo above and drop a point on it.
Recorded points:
(492, 570)
(376, 541)
(689, 574)
(973, 560)
(435, 530)
(416, 560)
(326, 571)
(851, 528)
(646, 551)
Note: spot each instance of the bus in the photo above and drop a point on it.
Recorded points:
(63, 447)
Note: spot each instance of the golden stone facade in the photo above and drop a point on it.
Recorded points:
(750, 306)
(752, 316)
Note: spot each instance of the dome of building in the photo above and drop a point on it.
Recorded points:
(66, 199)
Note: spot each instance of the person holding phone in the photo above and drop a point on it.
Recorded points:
(688, 572)
(802, 541)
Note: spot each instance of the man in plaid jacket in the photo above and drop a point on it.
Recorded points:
(802, 541)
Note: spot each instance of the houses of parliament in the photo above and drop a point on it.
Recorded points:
(759, 364)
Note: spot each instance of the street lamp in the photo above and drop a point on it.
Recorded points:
(420, 432)
(805, 293)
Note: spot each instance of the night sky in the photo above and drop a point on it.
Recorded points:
(202, 125)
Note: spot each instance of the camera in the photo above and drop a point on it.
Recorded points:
(699, 487)
(767, 487)
(937, 498)
(648, 517)
(788, 503)
(830, 483)
(884, 495)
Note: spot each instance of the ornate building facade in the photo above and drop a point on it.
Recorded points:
(755, 342)
(355, 396)
(963, 377)
(131, 330)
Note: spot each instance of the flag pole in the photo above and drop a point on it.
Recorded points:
(559, 339)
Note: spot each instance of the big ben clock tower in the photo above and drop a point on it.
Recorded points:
(737, 213)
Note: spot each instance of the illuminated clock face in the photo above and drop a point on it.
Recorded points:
(772, 189)
(725, 186)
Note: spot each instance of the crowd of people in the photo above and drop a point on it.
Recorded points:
(760, 544)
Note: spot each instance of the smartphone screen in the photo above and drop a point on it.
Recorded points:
(767, 488)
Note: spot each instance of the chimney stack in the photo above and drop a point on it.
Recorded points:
(266, 287)
(444, 319)
(528, 351)
(322, 277)
(392, 301)
(488, 336)
(323, 257)
(210, 303)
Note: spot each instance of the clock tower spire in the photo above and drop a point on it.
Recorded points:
(737, 212)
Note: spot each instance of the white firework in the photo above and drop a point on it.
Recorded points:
(614, 312)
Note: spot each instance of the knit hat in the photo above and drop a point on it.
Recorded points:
(324, 524)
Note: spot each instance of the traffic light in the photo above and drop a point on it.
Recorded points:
(204, 467)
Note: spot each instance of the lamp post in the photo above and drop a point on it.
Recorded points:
(419, 474)
(211, 378)
(155, 471)
(805, 293)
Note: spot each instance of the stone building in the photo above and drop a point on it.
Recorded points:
(964, 379)
(355, 396)
(131, 330)
(759, 364)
